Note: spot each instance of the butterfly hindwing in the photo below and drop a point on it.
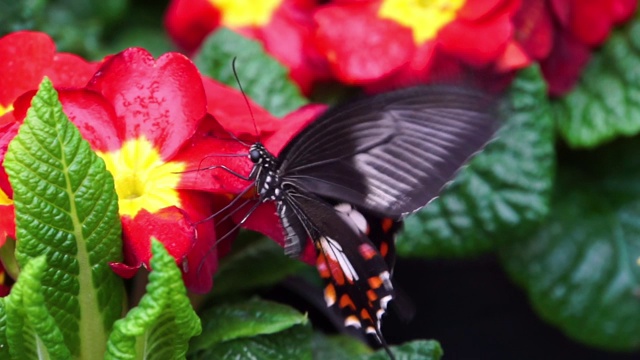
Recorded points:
(358, 280)
(391, 154)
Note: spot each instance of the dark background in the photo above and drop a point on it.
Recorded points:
(476, 312)
(470, 306)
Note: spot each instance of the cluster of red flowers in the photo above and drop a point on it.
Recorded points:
(152, 122)
(383, 44)
(158, 123)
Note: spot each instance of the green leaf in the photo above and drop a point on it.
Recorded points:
(581, 268)
(77, 26)
(606, 101)
(19, 15)
(415, 350)
(67, 210)
(262, 77)
(164, 321)
(31, 330)
(292, 343)
(4, 345)
(338, 347)
(253, 263)
(244, 320)
(505, 190)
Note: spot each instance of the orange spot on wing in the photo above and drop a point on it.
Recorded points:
(384, 249)
(372, 295)
(364, 315)
(345, 301)
(387, 223)
(330, 292)
(375, 282)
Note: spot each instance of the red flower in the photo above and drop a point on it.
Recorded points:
(138, 114)
(373, 42)
(27, 58)
(579, 27)
(283, 26)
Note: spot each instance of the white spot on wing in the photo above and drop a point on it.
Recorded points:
(385, 301)
(386, 280)
(333, 250)
(352, 321)
(356, 218)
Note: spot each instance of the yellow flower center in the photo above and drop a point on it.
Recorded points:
(4, 110)
(4, 199)
(424, 17)
(238, 13)
(142, 179)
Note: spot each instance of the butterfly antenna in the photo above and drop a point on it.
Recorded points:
(246, 100)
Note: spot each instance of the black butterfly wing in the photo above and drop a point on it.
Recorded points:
(358, 280)
(391, 154)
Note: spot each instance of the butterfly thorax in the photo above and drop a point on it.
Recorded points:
(265, 173)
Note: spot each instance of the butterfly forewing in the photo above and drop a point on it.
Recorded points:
(391, 154)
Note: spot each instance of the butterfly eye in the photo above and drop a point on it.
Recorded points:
(254, 155)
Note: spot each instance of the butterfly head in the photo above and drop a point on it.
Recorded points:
(257, 153)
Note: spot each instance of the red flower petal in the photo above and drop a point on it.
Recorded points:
(88, 110)
(94, 117)
(561, 10)
(477, 43)
(193, 246)
(7, 223)
(359, 46)
(32, 56)
(591, 21)
(7, 133)
(289, 38)
(189, 21)
(417, 71)
(565, 63)
(211, 146)
(170, 226)
(29, 54)
(514, 57)
(69, 70)
(623, 10)
(474, 10)
(230, 109)
(534, 29)
(201, 262)
(292, 125)
(161, 100)
(123, 270)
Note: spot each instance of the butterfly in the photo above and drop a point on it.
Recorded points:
(349, 179)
